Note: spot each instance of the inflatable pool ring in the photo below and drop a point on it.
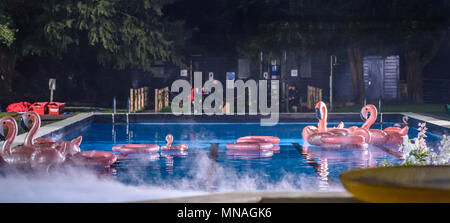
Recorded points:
(170, 147)
(262, 139)
(357, 136)
(249, 146)
(136, 148)
(94, 158)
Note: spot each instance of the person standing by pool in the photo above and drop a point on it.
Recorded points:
(292, 96)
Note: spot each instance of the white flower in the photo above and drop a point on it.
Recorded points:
(416, 152)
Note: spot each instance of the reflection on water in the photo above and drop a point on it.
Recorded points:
(208, 165)
(319, 158)
(236, 154)
(169, 158)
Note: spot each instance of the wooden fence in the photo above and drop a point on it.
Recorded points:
(313, 96)
(138, 99)
(161, 98)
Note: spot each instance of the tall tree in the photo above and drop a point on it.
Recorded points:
(421, 28)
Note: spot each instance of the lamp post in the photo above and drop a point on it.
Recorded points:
(333, 61)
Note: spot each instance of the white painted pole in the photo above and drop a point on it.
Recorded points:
(331, 81)
(51, 95)
(114, 105)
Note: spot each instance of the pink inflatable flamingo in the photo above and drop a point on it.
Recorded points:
(322, 116)
(26, 156)
(67, 147)
(333, 138)
(169, 146)
(35, 125)
(390, 135)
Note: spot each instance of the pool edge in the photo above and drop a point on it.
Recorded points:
(263, 197)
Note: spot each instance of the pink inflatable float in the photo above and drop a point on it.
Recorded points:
(249, 146)
(334, 138)
(262, 139)
(321, 129)
(390, 135)
(169, 146)
(67, 148)
(253, 143)
(136, 148)
(35, 119)
(94, 158)
(26, 156)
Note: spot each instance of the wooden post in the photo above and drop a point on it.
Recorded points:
(145, 96)
(142, 98)
(313, 96)
(131, 100)
(139, 99)
(160, 99)
(156, 100)
(135, 100)
(166, 96)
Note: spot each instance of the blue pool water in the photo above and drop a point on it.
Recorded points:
(207, 165)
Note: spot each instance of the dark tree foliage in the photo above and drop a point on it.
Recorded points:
(6, 32)
(118, 34)
(88, 39)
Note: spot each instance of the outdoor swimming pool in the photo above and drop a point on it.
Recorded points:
(208, 166)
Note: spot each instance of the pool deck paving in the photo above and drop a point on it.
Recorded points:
(47, 129)
(429, 119)
(263, 197)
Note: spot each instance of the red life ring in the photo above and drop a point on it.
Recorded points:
(262, 139)
(249, 146)
(94, 158)
(135, 148)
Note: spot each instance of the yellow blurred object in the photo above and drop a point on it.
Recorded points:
(399, 184)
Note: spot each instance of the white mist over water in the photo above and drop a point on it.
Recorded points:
(209, 175)
(70, 184)
(77, 185)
